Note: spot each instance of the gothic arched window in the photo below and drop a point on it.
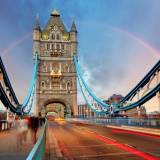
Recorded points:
(63, 47)
(53, 36)
(58, 36)
(43, 84)
(52, 46)
(68, 87)
(48, 46)
(58, 46)
(67, 68)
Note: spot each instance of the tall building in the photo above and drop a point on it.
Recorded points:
(56, 75)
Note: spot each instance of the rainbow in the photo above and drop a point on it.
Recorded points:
(137, 39)
(15, 43)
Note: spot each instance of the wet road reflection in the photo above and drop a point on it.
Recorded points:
(82, 141)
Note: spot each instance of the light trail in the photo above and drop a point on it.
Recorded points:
(136, 133)
(124, 147)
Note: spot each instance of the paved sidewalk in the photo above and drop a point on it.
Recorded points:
(15, 145)
(150, 131)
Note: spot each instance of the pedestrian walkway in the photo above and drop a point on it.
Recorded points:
(15, 143)
(150, 131)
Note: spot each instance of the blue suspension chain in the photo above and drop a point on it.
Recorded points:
(32, 86)
(89, 104)
(98, 100)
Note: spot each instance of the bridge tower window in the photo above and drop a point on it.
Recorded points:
(43, 84)
(58, 36)
(47, 46)
(53, 36)
(58, 46)
(63, 47)
(68, 87)
(52, 46)
(67, 68)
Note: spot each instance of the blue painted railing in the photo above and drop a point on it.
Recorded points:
(38, 150)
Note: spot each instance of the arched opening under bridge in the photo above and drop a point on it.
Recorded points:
(57, 108)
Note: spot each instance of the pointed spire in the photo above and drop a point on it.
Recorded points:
(73, 27)
(55, 13)
(37, 25)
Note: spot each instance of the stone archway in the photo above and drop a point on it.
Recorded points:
(59, 107)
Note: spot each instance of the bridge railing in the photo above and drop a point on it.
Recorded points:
(38, 150)
(4, 125)
(141, 122)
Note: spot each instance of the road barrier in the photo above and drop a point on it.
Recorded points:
(38, 150)
(140, 122)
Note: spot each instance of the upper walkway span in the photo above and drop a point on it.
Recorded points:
(143, 82)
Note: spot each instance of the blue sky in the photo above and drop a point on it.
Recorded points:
(118, 39)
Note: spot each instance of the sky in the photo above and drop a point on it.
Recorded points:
(118, 40)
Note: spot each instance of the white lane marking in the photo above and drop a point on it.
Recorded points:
(135, 130)
(107, 137)
(83, 128)
(104, 154)
(101, 135)
(89, 146)
(142, 128)
(129, 145)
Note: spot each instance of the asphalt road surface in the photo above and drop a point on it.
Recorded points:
(77, 141)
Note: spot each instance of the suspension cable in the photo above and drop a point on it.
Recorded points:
(98, 100)
(32, 86)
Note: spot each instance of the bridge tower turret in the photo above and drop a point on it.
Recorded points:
(73, 37)
(36, 35)
(56, 75)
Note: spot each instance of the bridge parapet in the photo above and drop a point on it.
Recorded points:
(139, 122)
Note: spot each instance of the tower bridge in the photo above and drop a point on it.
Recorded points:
(54, 89)
(56, 76)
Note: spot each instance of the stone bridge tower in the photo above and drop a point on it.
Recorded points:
(56, 76)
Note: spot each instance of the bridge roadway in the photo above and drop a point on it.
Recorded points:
(77, 141)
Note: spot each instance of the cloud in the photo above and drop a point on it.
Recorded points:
(112, 66)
